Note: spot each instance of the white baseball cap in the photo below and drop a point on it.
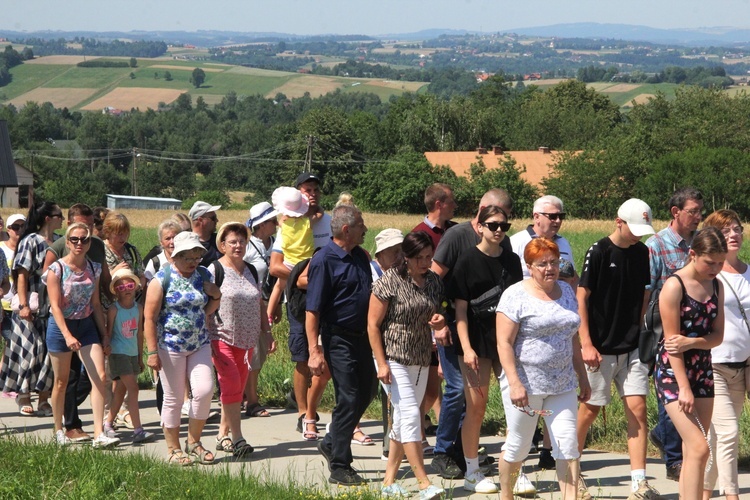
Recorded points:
(637, 214)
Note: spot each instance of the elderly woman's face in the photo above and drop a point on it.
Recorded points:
(167, 241)
(545, 269)
(118, 240)
(187, 262)
(233, 245)
(733, 234)
(391, 256)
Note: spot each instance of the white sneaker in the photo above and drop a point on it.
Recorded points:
(186, 408)
(523, 486)
(103, 441)
(62, 439)
(477, 483)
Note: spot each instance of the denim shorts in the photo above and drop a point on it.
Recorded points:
(82, 329)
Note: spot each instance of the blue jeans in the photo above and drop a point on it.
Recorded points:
(453, 404)
(669, 437)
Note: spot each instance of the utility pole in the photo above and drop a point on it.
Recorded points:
(134, 189)
(308, 154)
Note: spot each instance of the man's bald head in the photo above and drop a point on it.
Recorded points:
(498, 197)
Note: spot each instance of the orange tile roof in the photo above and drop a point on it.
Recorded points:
(538, 164)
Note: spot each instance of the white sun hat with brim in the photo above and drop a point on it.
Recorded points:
(260, 213)
(290, 201)
(186, 240)
(388, 238)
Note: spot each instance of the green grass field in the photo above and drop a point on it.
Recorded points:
(27, 77)
(77, 77)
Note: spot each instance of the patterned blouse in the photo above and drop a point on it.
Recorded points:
(239, 313)
(181, 326)
(77, 288)
(30, 255)
(406, 333)
(130, 256)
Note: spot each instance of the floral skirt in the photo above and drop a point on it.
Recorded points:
(699, 372)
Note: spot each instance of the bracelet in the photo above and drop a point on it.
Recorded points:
(149, 353)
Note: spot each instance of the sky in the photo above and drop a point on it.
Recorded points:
(371, 17)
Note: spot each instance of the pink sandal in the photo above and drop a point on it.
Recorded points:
(308, 435)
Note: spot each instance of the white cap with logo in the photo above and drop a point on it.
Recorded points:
(637, 214)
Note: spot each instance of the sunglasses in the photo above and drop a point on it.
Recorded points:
(76, 239)
(15, 227)
(494, 226)
(125, 287)
(532, 413)
(558, 216)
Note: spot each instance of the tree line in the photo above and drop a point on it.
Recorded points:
(375, 149)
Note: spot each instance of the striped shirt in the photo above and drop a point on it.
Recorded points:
(406, 333)
(667, 253)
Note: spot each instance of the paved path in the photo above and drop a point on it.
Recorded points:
(280, 453)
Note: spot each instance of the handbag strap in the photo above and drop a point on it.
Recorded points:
(737, 298)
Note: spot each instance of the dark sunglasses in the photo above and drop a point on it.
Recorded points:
(76, 240)
(493, 226)
(558, 216)
(125, 286)
(15, 227)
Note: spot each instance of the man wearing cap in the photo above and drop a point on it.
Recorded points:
(612, 299)
(309, 184)
(204, 220)
(79, 385)
(440, 205)
(548, 217)
(668, 252)
(338, 297)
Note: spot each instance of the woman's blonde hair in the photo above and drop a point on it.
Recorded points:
(77, 225)
(115, 223)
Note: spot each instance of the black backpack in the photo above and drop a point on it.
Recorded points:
(652, 331)
(296, 297)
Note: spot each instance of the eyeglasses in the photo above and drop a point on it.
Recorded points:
(190, 259)
(553, 217)
(234, 243)
(212, 218)
(727, 231)
(76, 239)
(695, 211)
(125, 287)
(494, 226)
(532, 413)
(544, 265)
(15, 227)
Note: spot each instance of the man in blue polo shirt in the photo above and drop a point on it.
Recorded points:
(338, 295)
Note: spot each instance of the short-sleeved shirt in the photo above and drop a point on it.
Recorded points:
(125, 330)
(406, 333)
(321, 229)
(212, 251)
(617, 278)
(297, 236)
(77, 287)
(338, 287)
(239, 311)
(95, 253)
(736, 344)
(130, 256)
(522, 238)
(544, 344)
(668, 252)
(181, 326)
(258, 256)
(30, 255)
(456, 241)
(151, 269)
(474, 274)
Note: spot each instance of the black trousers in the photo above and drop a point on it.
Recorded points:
(79, 387)
(349, 358)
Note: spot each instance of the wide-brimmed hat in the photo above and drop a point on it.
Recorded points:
(201, 208)
(186, 240)
(260, 213)
(224, 227)
(290, 201)
(388, 238)
(121, 274)
(638, 216)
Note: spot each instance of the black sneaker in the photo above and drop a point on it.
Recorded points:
(546, 461)
(446, 467)
(326, 454)
(673, 472)
(345, 477)
(654, 438)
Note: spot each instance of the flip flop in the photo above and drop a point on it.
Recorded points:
(365, 441)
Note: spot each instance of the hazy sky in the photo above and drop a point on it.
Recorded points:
(369, 17)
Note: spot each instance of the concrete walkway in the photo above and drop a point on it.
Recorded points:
(281, 454)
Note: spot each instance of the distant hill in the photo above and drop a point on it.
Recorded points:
(693, 37)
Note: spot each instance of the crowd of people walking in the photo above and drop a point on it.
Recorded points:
(85, 314)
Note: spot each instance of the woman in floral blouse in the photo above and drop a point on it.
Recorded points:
(178, 300)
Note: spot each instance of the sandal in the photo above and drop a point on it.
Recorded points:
(123, 420)
(364, 441)
(25, 409)
(256, 410)
(177, 457)
(242, 448)
(44, 409)
(224, 443)
(309, 435)
(204, 457)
